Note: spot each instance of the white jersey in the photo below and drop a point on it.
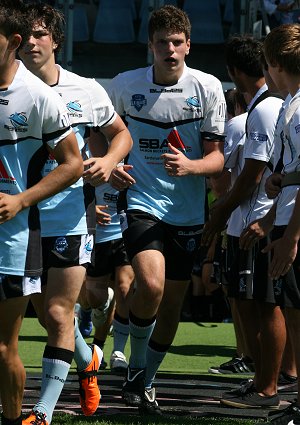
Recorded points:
(234, 161)
(291, 160)
(179, 114)
(89, 106)
(31, 116)
(260, 146)
(107, 195)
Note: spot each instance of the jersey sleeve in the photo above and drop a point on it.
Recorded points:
(213, 126)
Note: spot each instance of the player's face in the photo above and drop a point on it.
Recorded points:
(39, 49)
(169, 51)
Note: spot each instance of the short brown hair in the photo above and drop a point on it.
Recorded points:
(169, 18)
(282, 48)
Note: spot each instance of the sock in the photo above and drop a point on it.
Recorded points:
(155, 355)
(140, 333)
(121, 332)
(83, 352)
(56, 365)
(5, 421)
(99, 342)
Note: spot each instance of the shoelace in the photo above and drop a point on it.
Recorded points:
(39, 419)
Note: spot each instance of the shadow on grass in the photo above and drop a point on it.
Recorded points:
(33, 338)
(202, 350)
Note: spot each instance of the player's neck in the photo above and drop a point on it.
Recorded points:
(7, 73)
(49, 74)
(166, 78)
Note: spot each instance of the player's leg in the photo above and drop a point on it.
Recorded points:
(12, 370)
(124, 278)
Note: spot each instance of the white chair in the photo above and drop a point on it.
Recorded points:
(206, 21)
(114, 22)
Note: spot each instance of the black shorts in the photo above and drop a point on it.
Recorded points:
(178, 244)
(108, 256)
(67, 251)
(287, 287)
(247, 272)
(12, 286)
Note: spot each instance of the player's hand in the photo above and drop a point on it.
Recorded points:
(273, 185)
(102, 217)
(120, 178)
(256, 230)
(215, 225)
(284, 253)
(10, 205)
(98, 170)
(176, 163)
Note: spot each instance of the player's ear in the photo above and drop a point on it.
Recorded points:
(188, 45)
(54, 45)
(14, 41)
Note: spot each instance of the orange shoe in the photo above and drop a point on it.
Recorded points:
(89, 392)
(35, 418)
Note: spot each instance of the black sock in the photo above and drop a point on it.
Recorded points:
(5, 421)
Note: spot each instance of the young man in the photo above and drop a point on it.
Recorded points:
(176, 116)
(250, 285)
(34, 124)
(281, 48)
(67, 243)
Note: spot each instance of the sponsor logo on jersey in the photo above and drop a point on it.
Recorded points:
(159, 146)
(5, 177)
(74, 109)
(193, 104)
(18, 121)
(257, 137)
(138, 101)
(297, 128)
(175, 140)
(163, 90)
(61, 244)
(4, 102)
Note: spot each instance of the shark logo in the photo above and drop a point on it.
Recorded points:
(18, 119)
(74, 106)
(193, 103)
(88, 247)
(61, 244)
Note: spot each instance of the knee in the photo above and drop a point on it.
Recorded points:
(58, 318)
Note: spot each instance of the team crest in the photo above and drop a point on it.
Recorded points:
(61, 244)
(193, 103)
(18, 119)
(138, 101)
(74, 106)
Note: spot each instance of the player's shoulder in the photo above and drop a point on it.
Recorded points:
(129, 77)
(203, 78)
(71, 79)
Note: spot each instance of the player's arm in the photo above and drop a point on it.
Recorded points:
(285, 249)
(68, 171)
(242, 189)
(120, 143)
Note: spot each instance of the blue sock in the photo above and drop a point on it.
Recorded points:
(83, 352)
(140, 333)
(121, 333)
(154, 360)
(56, 365)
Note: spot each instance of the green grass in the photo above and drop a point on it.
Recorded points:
(195, 349)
